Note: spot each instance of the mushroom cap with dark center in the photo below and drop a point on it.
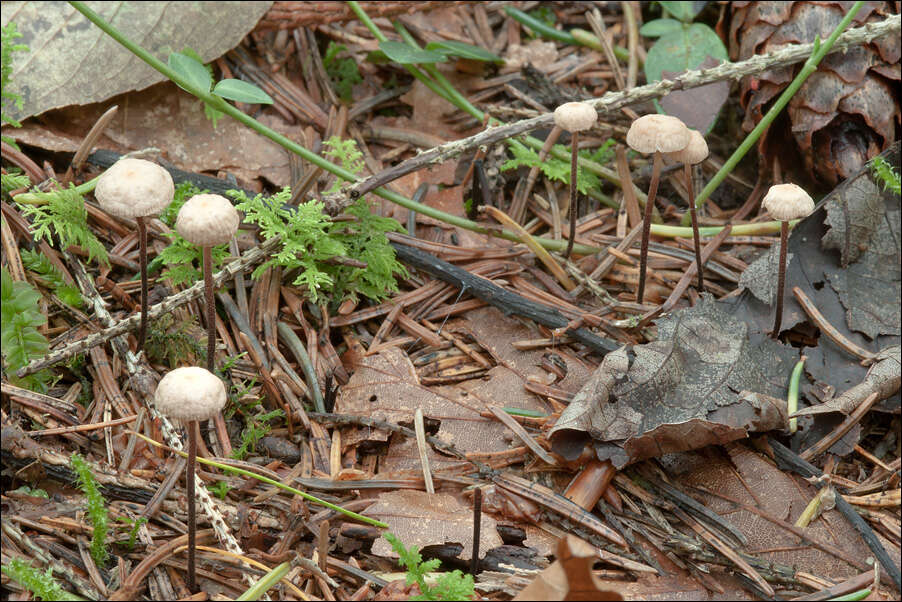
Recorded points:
(695, 152)
(787, 202)
(207, 220)
(190, 393)
(134, 188)
(575, 116)
(657, 133)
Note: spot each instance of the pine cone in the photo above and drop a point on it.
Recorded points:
(846, 112)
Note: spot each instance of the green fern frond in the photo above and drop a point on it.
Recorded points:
(38, 263)
(65, 216)
(8, 36)
(96, 506)
(41, 584)
(20, 339)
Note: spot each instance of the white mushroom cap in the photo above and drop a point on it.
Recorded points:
(695, 152)
(190, 393)
(575, 116)
(207, 220)
(657, 133)
(134, 188)
(787, 202)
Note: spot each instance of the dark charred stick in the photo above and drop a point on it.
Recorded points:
(505, 300)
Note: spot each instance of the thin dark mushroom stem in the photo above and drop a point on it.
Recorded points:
(781, 278)
(646, 224)
(192, 516)
(210, 306)
(574, 172)
(142, 238)
(690, 188)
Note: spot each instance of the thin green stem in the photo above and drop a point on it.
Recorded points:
(810, 66)
(792, 399)
(40, 198)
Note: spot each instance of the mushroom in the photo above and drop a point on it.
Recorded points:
(654, 134)
(785, 202)
(574, 117)
(135, 188)
(207, 220)
(695, 152)
(190, 394)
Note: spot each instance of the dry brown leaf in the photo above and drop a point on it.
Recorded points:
(570, 576)
(422, 519)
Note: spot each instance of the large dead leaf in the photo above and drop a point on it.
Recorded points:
(72, 62)
(423, 519)
(752, 479)
(707, 380)
(167, 118)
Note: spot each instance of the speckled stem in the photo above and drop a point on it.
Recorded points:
(574, 172)
(210, 307)
(696, 239)
(781, 278)
(142, 237)
(192, 516)
(646, 224)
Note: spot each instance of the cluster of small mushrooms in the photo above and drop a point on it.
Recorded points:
(668, 137)
(139, 189)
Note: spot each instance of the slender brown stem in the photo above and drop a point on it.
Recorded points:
(142, 237)
(211, 308)
(646, 224)
(781, 278)
(477, 527)
(192, 518)
(687, 168)
(574, 172)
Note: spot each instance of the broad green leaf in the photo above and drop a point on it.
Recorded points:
(683, 49)
(192, 70)
(684, 11)
(408, 55)
(660, 27)
(464, 50)
(242, 91)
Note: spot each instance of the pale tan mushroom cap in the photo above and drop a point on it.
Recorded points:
(575, 116)
(695, 152)
(190, 393)
(787, 202)
(134, 188)
(657, 133)
(207, 220)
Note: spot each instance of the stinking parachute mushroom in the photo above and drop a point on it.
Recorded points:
(785, 202)
(654, 134)
(574, 117)
(135, 188)
(695, 152)
(190, 394)
(207, 220)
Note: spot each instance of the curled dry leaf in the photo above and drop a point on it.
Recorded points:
(708, 380)
(846, 112)
(570, 576)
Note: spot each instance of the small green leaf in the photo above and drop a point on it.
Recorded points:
(192, 70)
(464, 50)
(660, 27)
(684, 11)
(242, 91)
(401, 53)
